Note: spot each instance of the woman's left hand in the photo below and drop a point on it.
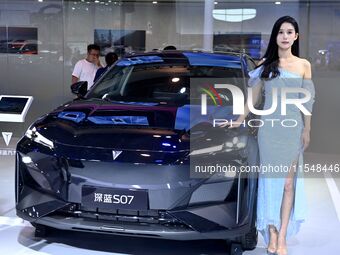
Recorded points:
(305, 138)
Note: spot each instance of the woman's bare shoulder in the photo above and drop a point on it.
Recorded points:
(303, 62)
(306, 66)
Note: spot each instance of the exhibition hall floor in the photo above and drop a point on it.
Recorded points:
(318, 235)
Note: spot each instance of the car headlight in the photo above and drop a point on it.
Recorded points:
(228, 175)
(33, 134)
(237, 142)
(234, 143)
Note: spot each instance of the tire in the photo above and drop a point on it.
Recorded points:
(40, 230)
(236, 249)
(249, 241)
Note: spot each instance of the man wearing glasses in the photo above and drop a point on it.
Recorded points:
(85, 69)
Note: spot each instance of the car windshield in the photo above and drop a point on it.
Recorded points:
(159, 83)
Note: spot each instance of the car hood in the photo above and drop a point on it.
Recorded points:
(119, 126)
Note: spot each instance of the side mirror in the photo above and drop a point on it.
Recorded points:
(79, 88)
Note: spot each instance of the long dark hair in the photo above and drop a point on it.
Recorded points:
(271, 62)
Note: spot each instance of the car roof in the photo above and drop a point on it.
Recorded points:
(192, 58)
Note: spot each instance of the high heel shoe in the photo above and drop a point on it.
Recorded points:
(281, 251)
(272, 241)
(271, 253)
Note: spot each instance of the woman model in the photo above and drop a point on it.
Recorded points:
(281, 200)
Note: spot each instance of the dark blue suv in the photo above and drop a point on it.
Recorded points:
(117, 159)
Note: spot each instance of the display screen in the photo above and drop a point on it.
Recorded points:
(19, 40)
(12, 105)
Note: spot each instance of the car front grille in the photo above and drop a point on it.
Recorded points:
(148, 217)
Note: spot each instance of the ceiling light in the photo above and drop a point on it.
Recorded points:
(234, 15)
(215, 2)
(40, 1)
(277, 2)
(155, 2)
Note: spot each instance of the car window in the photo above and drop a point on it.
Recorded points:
(168, 84)
(111, 83)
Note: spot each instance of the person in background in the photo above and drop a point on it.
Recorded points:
(85, 69)
(110, 59)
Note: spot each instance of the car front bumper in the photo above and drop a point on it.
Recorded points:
(49, 192)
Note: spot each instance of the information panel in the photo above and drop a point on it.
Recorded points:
(14, 108)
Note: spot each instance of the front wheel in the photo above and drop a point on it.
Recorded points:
(249, 240)
(236, 249)
(40, 230)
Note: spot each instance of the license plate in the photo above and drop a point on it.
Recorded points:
(110, 198)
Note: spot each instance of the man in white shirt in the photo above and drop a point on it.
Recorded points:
(85, 69)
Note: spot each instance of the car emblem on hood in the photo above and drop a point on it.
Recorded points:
(115, 154)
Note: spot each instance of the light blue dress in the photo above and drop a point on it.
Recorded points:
(280, 146)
